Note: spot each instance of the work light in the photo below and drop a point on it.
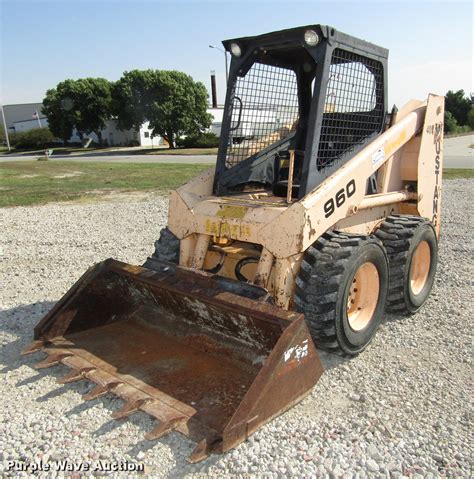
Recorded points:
(235, 49)
(311, 38)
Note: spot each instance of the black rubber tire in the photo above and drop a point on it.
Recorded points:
(401, 234)
(167, 247)
(323, 285)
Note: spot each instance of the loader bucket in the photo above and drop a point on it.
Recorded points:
(183, 346)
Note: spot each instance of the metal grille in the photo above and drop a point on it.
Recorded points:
(354, 106)
(265, 110)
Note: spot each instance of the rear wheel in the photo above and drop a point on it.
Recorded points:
(341, 288)
(412, 250)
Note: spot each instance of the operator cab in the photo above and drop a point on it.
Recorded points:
(299, 103)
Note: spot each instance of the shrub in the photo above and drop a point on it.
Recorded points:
(450, 123)
(35, 138)
(202, 140)
(470, 118)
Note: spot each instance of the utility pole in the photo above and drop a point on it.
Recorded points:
(5, 128)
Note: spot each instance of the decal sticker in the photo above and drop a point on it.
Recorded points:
(393, 145)
(378, 156)
(436, 130)
(340, 198)
(232, 211)
(229, 230)
(297, 352)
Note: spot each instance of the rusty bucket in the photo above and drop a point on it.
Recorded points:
(207, 357)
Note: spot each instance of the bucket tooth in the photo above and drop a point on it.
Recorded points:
(33, 347)
(101, 390)
(203, 450)
(75, 375)
(165, 427)
(130, 408)
(51, 360)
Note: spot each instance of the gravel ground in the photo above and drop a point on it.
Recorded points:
(399, 409)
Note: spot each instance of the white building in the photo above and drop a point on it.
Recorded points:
(111, 134)
(216, 125)
(22, 112)
(23, 117)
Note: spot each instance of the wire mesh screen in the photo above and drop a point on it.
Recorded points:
(265, 110)
(354, 106)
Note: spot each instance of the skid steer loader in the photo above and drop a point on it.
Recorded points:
(323, 210)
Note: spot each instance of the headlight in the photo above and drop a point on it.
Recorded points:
(235, 49)
(311, 38)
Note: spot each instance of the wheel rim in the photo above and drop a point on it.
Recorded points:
(420, 267)
(363, 296)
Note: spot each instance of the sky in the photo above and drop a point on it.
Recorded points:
(43, 43)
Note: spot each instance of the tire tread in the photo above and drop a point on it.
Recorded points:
(318, 281)
(396, 233)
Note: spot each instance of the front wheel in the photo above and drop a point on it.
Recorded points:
(166, 248)
(342, 288)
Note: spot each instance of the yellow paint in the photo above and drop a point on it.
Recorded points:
(227, 229)
(212, 227)
(392, 145)
(232, 211)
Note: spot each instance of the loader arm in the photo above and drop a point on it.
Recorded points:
(344, 193)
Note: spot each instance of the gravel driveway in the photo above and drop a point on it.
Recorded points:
(401, 408)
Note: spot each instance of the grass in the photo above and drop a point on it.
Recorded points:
(177, 151)
(37, 182)
(459, 133)
(59, 150)
(453, 173)
(63, 150)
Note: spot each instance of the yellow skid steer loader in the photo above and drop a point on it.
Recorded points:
(323, 211)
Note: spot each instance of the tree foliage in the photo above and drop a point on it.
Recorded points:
(171, 101)
(450, 123)
(132, 97)
(60, 120)
(458, 105)
(84, 104)
(470, 118)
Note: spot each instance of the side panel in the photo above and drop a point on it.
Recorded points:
(430, 162)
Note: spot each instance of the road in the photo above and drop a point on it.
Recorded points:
(457, 154)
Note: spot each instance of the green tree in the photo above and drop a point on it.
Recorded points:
(171, 101)
(132, 97)
(450, 123)
(60, 119)
(470, 118)
(92, 99)
(84, 104)
(458, 105)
